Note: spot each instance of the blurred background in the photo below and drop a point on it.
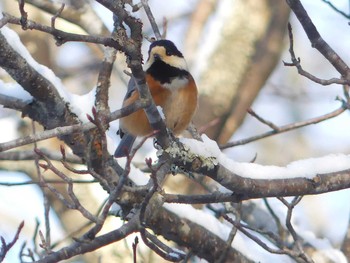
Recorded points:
(235, 51)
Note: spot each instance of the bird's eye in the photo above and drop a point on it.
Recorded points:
(168, 53)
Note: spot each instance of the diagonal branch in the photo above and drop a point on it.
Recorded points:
(78, 248)
(66, 130)
(296, 63)
(316, 39)
(6, 247)
(288, 127)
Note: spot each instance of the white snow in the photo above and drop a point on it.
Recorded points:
(303, 168)
(136, 175)
(80, 105)
(222, 230)
(13, 89)
(83, 104)
(11, 130)
(13, 39)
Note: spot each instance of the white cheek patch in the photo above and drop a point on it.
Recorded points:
(176, 83)
(176, 62)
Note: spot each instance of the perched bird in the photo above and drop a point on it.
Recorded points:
(172, 88)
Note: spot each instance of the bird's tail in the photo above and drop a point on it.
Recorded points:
(124, 146)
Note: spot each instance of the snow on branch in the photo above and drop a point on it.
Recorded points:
(251, 180)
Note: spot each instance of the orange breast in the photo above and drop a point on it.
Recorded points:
(178, 107)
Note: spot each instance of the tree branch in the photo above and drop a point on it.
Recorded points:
(317, 41)
(288, 127)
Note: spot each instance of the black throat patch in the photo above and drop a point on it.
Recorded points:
(164, 73)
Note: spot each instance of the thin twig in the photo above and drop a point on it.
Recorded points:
(171, 256)
(152, 191)
(288, 127)
(62, 37)
(25, 183)
(297, 240)
(34, 239)
(253, 237)
(53, 19)
(280, 228)
(23, 155)
(74, 203)
(216, 197)
(237, 214)
(336, 9)
(316, 39)
(261, 119)
(296, 63)
(134, 249)
(282, 250)
(60, 131)
(46, 243)
(151, 19)
(6, 247)
(24, 14)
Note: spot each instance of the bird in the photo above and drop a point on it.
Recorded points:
(172, 87)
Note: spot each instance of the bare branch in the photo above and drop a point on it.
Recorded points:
(134, 249)
(81, 16)
(151, 19)
(24, 15)
(53, 19)
(268, 123)
(297, 241)
(161, 249)
(62, 37)
(47, 181)
(60, 131)
(23, 155)
(257, 239)
(336, 9)
(301, 71)
(45, 242)
(237, 215)
(6, 247)
(78, 248)
(288, 127)
(246, 188)
(216, 197)
(74, 203)
(316, 39)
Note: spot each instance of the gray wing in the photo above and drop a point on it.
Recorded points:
(127, 140)
(131, 88)
(125, 146)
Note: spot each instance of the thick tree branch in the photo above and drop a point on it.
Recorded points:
(246, 188)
